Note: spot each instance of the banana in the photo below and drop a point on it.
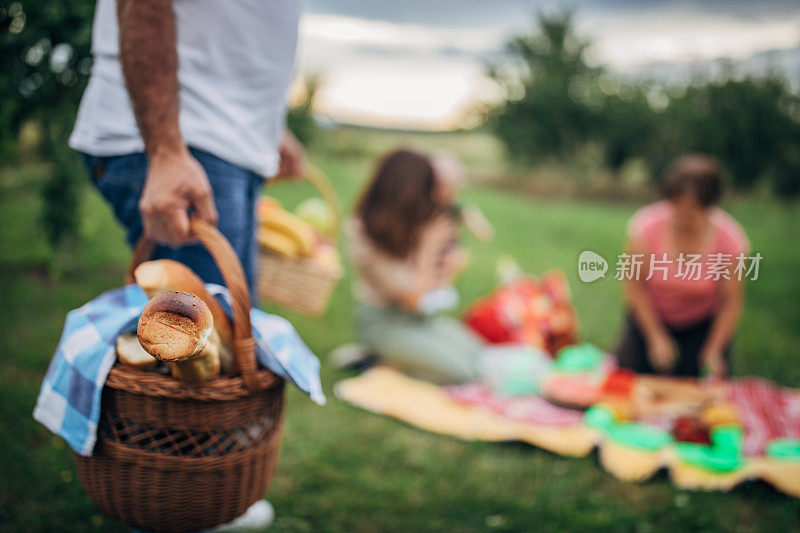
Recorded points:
(292, 227)
(278, 242)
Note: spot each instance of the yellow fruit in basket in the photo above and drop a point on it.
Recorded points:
(278, 242)
(326, 256)
(266, 204)
(292, 226)
(316, 213)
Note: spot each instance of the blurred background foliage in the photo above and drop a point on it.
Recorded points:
(556, 108)
(43, 69)
(556, 104)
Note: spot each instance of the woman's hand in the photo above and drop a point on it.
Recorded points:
(713, 363)
(455, 261)
(662, 351)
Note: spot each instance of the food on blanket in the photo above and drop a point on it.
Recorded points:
(291, 226)
(131, 353)
(203, 367)
(317, 213)
(689, 429)
(622, 409)
(719, 414)
(175, 326)
(155, 277)
(578, 390)
(660, 395)
(619, 383)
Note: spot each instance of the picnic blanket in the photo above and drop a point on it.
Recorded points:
(69, 398)
(473, 412)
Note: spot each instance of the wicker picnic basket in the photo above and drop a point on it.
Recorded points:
(171, 456)
(301, 284)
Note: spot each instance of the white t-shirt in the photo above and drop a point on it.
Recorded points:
(235, 60)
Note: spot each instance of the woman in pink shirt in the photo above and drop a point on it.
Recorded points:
(685, 299)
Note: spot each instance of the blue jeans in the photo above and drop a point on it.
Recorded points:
(120, 180)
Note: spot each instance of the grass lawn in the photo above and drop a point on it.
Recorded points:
(348, 470)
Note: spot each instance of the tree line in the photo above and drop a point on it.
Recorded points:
(555, 103)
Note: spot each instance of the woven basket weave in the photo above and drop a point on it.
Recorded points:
(300, 284)
(171, 456)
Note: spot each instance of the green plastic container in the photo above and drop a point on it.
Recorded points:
(784, 450)
(727, 438)
(583, 357)
(709, 458)
(599, 417)
(639, 436)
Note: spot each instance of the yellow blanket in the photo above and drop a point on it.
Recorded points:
(388, 392)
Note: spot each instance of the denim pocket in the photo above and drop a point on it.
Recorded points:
(128, 171)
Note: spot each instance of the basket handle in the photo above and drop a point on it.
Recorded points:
(323, 184)
(244, 347)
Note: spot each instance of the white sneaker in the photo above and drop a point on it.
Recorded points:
(257, 517)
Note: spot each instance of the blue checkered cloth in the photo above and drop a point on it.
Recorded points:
(69, 400)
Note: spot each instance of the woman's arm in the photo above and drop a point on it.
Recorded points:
(661, 348)
(428, 267)
(723, 328)
(404, 280)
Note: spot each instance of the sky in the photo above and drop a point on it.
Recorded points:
(420, 64)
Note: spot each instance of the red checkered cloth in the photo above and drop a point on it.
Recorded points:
(529, 409)
(766, 412)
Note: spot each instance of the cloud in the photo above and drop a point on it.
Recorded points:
(405, 63)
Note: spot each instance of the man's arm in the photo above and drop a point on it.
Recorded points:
(175, 180)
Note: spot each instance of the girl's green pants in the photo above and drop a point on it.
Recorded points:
(435, 348)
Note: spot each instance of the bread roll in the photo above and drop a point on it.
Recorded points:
(155, 277)
(175, 326)
(203, 367)
(131, 353)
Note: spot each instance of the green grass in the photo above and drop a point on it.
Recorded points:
(348, 470)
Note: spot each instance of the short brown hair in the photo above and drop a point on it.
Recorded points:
(399, 201)
(697, 174)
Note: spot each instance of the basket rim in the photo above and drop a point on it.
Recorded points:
(222, 388)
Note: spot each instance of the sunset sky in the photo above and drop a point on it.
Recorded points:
(419, 63)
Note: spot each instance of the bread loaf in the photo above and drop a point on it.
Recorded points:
(175, 326)
(155, 277)
(131, 353)
(203, 367)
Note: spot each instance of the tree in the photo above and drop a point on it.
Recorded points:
(43, 69)
(553, 98)
(750, 124)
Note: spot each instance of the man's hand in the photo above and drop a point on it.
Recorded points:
(662, 352)
(175, 183)
(293, 157)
